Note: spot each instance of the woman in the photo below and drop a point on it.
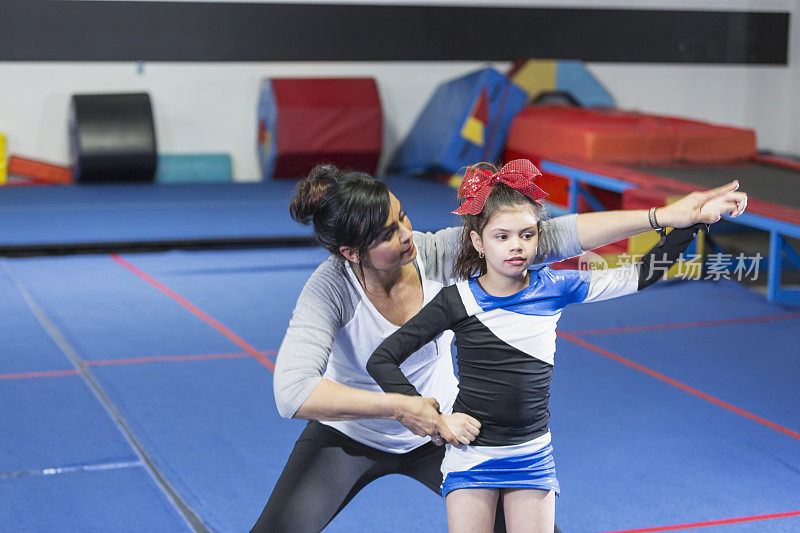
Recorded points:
(379, 275)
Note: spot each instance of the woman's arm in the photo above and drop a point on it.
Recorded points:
(301, 391)
(599, 229)
(333, 401)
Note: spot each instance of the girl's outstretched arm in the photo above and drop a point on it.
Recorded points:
(601, 228)
(580, 286)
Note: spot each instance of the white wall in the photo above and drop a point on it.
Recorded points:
(211, 107)
(793, 108)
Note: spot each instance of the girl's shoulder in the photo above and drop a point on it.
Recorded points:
(548, 272)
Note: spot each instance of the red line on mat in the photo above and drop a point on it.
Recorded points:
(241, 343)
(133, 361)
(679, 385)
(683, 325)
(168, 358)
(46, 374)
(710, 523)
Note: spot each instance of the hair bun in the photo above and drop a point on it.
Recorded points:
(309, 192)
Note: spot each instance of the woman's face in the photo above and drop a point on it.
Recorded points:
(394, 246)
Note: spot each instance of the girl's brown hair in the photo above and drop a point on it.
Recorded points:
(502, 197)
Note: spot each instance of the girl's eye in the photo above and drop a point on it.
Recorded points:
(402, 216)
(388, 236)
(501, 237)
(527, 235)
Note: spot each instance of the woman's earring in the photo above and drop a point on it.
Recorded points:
(480, 254)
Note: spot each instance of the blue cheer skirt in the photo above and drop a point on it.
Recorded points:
(528, 465)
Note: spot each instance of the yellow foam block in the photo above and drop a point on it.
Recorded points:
(473, 131)
(536, 76)
(455, 180)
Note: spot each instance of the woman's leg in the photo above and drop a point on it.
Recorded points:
(323, 473)
(529, 510)
(471, 510)
(424, 464)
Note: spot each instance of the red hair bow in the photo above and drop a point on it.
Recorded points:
(477, 184)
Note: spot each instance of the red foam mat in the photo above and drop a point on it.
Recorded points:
(615, 136)
(327, 120)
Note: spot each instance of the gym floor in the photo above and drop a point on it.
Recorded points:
(136, 393)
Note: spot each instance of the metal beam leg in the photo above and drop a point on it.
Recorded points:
(774, 266)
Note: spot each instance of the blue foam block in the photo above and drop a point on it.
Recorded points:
(121, 213)
(435, 143)
(194, 168)
(573, 77)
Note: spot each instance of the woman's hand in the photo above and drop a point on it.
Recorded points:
(421, 416)
(464, 427)
(707, 207)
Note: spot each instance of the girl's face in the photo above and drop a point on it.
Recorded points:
(393, 247)
(509, 240)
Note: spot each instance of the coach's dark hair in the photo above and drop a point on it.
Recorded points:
(345, 208)
(502, 197)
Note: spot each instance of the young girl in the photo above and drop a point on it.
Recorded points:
(504, 318)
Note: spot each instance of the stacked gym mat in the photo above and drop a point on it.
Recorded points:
(465, 122)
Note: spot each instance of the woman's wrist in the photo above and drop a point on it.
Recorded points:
(397, 405)
(663, 216)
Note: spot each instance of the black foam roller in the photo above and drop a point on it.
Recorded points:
(112, 138)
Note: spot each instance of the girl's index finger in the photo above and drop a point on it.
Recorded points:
(724, 189)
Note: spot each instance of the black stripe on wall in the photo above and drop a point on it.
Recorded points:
(34, 30)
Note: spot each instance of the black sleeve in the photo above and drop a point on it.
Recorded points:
(437, 316)
(657, 261)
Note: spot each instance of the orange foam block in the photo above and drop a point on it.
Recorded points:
(39, 171)
(614, 136)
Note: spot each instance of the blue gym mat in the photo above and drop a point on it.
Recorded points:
(45, 423)
(123, 500)
(622, 438)
(632, 451)
(81, 214)
(39, 353)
